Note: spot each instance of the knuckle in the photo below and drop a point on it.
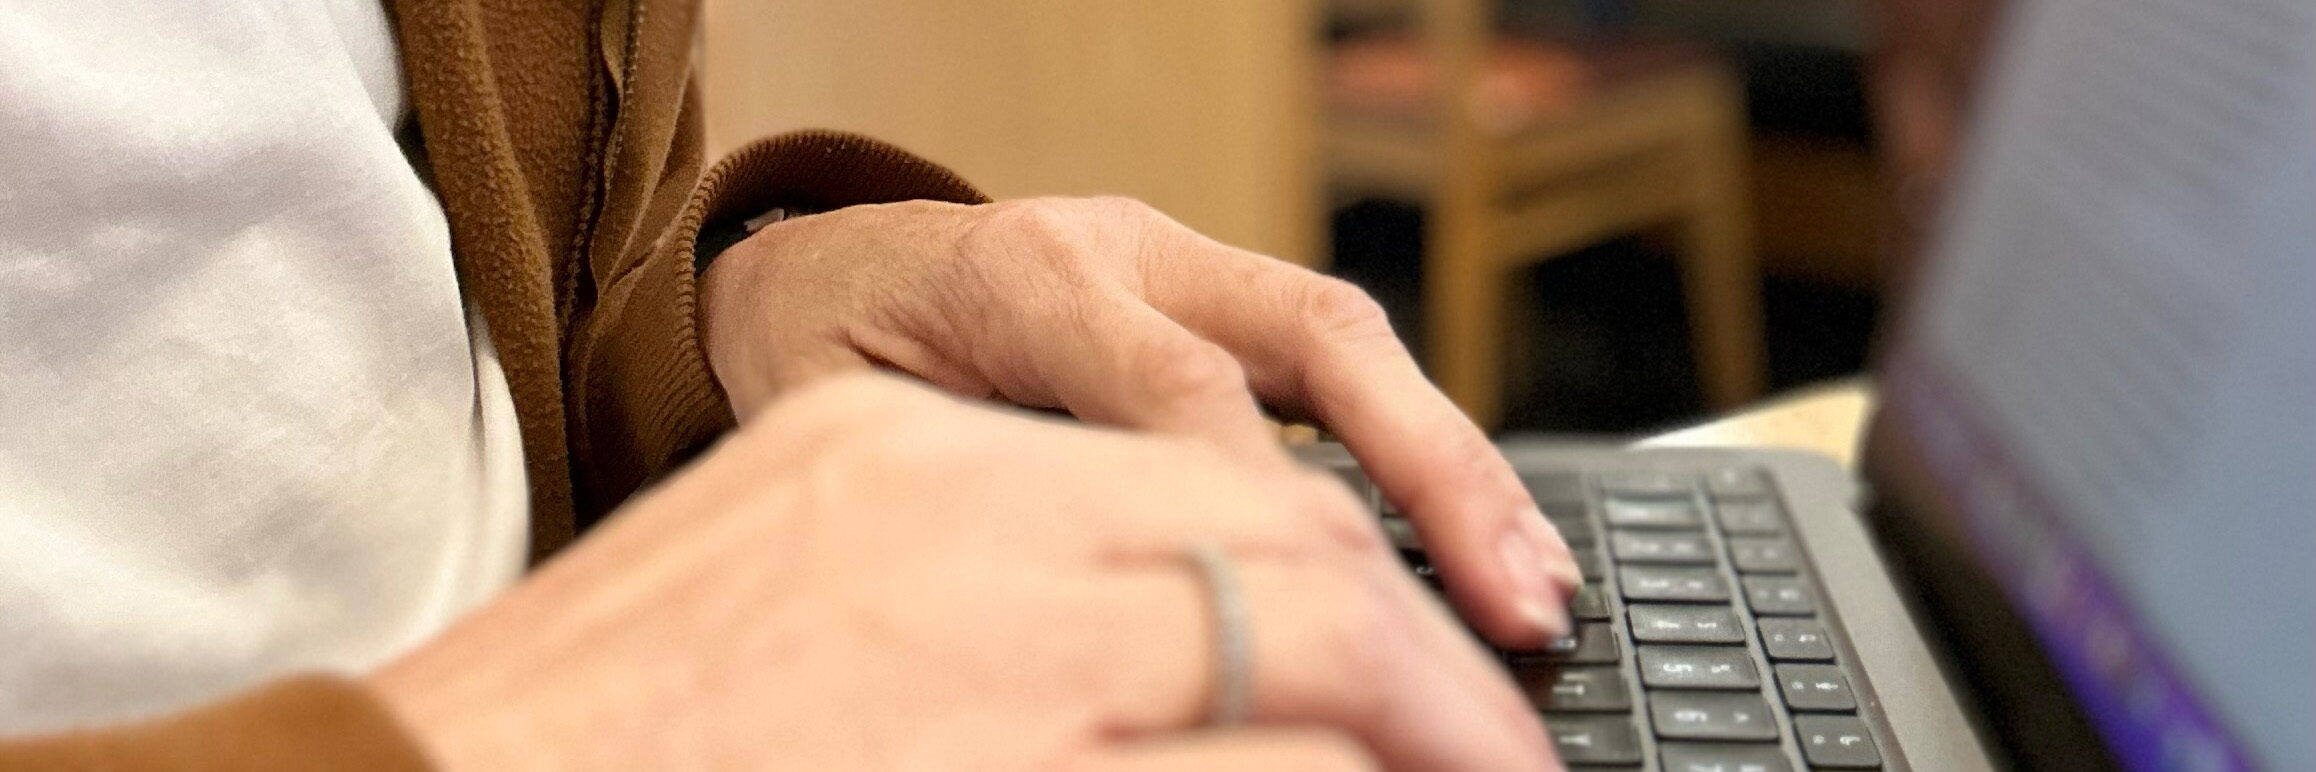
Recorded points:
(1339, 519)
(1472, 450)
(1032, 221)
(1123, 204)
(1125, 208)
(1477, 458)
(1184, 367)
(1338, 309)
(1474, 467)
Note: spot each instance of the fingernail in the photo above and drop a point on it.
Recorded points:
(1549, 548)
(1534, 587)
(1553, 624)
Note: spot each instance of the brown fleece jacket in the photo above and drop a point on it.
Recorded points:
(563, 137)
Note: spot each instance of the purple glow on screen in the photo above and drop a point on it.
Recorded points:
(2124, 683)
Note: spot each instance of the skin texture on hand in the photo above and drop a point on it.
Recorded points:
(1107, 309)
(870, 575)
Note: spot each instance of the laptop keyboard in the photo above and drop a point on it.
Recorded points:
(1700, 643)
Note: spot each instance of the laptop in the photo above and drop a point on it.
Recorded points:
(2085, 536)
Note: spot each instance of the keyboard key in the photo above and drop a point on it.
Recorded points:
(1777, 596)
(1841, 742)
(1812, 687)
(1664, 548)
(1698, 667)
(1590, 604)
(1648, 484)
(1712, 716)
(1660, 623)
(1671, 514)
(1759, 555)
(1554, 486)
(1795, 640)
(1593, 644)
(1737, 483)
(1576, 689)
(1588, 562)
(1723, 757)
(1751, 518)
(1594, 739)
(1680, 585)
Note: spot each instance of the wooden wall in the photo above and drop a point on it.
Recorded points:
(1204, 108)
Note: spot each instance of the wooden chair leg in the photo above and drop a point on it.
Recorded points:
(1723, 285)
(1721, 274)
(1464, 299)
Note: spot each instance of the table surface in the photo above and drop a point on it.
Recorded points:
(1828, 419)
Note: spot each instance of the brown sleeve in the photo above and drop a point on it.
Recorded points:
(294, 725)
(643, 399)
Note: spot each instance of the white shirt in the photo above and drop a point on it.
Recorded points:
(246, 425)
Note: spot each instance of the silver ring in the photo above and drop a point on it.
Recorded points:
(1233, 642)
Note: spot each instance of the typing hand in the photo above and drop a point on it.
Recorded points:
(869, 575)
(1112, 311)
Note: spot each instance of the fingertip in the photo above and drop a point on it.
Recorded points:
(1504, 618)
(1537, 596)
(1550, 621)
(1552, 552)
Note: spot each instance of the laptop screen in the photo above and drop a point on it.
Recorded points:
(2110, 366)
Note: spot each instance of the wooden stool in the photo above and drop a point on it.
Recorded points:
(1553, 148)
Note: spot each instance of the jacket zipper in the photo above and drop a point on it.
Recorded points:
(603, 157)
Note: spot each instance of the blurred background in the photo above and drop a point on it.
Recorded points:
(1584, 215)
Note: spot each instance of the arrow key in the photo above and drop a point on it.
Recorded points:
(1576, 689)
(1836, 741)
(1594, 739)
(1815, 688)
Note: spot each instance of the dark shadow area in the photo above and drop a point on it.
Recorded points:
(1599, 339)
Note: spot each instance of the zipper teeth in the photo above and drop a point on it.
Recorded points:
(604, 120)
(590, 204)
(610, 140)
(628, 49)
(602, 159)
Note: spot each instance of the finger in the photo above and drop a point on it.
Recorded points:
(1109, 358)
(1276, 511)
(754, 382)
(1356, 650)
(1235, 750)
(1321, 347)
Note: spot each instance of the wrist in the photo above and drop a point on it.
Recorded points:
(716, 237)
(458, 699)
(413, 696)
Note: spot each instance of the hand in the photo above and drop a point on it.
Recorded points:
(1108, 309)
(870, 575)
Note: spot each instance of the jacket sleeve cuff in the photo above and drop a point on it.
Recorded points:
(819, 171)
(294, 725)
(673, 406)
